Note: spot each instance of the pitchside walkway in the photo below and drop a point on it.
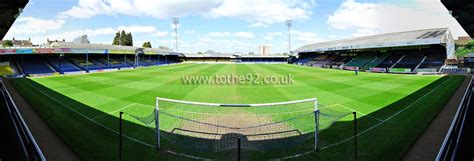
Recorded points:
(430, 141)
(50, 144)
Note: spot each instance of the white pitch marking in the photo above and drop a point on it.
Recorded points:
(112, 130)
(115, 111)
(364, 114)
(366, 130)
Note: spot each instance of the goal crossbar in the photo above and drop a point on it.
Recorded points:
(235, 105)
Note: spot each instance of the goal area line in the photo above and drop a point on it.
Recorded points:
(234, 105)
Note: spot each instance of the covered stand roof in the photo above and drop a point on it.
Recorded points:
(463, 11)
(226, 55)
(105, 48)
(407, 38)
(9, 11)
(91, 46)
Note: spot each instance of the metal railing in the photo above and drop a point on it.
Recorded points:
(28, 143)
(450, 145)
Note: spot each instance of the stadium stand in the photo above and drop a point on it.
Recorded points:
(374, 63)
(361, 60)
(323, 60)
(143, 61)
(411, 60)
(131, 60)
(307, 59)
(91, 64)
(194, 60)
(419, 50)
(149, 61)
(5, 68)
(390, 61)
(222, 60)
(340, 61)
(432, 61)
(163, 60)
(62, 65)
(32, 65)
(210, 60)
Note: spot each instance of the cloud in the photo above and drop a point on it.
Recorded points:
(134, 29)
(159, 9)
(259, 24)
(219, 44)
(218, 34)
(260, 13)
(89, 8)
(375, 18)
(70, 35)
(305, 37)
(138, 29)
(271, 35)
(161, 33)
(189, 31)
(297, 37)
(263, 12)
(172, 8)
(31, 25)
(244, 35)
(354, 14)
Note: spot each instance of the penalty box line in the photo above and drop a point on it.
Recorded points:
(109, 113)
(112, 130)
(363, 114)
(385, 120)
(368, 129)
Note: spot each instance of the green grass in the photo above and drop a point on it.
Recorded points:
(397, 107)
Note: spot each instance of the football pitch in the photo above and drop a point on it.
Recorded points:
(393, 109)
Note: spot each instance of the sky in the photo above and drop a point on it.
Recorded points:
(227, 26)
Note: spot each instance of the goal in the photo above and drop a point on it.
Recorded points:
(219, 127)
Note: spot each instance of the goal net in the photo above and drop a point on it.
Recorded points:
(211, 127)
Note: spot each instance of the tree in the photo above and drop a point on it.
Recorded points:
(164, 47)
(146, 44)
(116, 39)
(462, 51)
(470, 45)
(7, 43)
(123, 38)
(200, 53)
(210, 52)
(251, 53)
(129, 39)
(82, 40)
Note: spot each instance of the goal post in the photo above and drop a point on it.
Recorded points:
(316, 124)
(157, 123)
(219, 124)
